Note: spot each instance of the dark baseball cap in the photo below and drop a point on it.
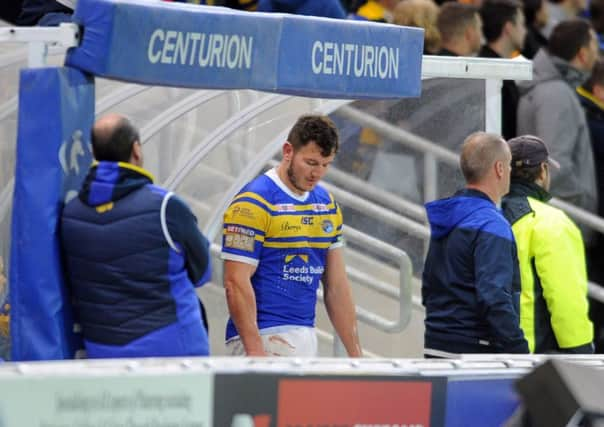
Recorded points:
(529, 151)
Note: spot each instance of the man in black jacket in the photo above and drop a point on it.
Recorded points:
(505, 31)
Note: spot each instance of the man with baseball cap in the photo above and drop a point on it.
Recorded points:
(551, 254)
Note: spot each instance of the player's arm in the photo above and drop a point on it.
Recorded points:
(242, 304)
(339, 302)
(243, 236)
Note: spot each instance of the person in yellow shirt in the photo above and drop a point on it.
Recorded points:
(553, 300)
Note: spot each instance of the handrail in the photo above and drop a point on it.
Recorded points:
(446, 156)
(397, 134)
(595, 291)
(450, 158)
(379, 213)
(405, 282)
(395, 202)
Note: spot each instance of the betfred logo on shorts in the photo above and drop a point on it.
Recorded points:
(353, 403)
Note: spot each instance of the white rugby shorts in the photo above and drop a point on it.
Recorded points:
(289, 341)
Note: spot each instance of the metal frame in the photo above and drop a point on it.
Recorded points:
(40, 38)
(448, 157)
(476, 68)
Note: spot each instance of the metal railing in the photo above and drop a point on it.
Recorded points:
(402, 294)
(448, 157)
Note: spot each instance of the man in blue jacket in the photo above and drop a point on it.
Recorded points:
(471, 281)
(133, 256)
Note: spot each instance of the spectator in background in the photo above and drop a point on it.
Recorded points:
(562, 10)
(470, 283)
(550, 109)
(553, 302)
(326, 8)
(596, 15)
(460, 28)
(377, 10)
(504, 29)
(536, 16)
(422, 14)
(591, 94)
(133, 256)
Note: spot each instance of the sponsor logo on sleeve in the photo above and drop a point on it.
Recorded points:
(243, 212)
(237, 237)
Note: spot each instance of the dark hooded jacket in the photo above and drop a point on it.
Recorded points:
(471, 282)
(133, 254)
(550, 109)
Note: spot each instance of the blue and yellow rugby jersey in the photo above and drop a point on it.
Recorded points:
(287, 237)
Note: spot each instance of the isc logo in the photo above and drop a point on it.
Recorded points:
(307, 220)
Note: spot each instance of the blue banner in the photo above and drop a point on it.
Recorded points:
(480, 401)
(211, 47)
(56, 110)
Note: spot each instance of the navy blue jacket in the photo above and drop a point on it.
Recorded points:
(471, 281)
(133, 254)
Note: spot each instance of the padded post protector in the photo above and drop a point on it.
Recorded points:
(558, 391)
(56, 110)
(175, 44)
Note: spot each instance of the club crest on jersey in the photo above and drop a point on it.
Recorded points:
(327, 226)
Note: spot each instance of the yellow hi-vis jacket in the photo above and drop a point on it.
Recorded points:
(553, 301)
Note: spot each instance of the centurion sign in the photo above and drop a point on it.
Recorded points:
(213, 47)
